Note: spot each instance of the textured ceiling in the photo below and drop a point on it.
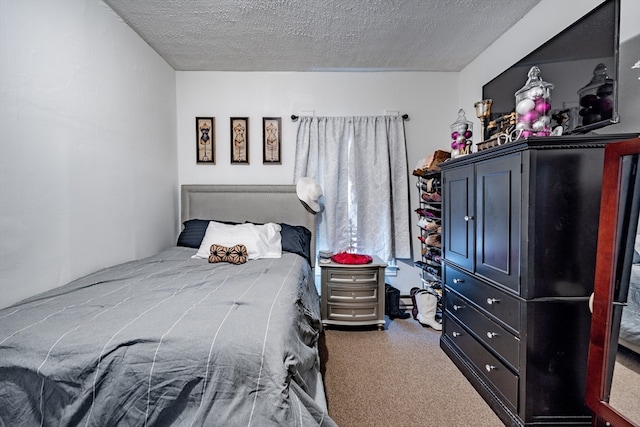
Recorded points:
(320, 35)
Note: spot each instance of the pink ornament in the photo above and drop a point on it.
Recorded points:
(526, 133)
(543, 107)
(468, 134)
(454, 145)
(454, 135)
(542, 133)
(529, 117)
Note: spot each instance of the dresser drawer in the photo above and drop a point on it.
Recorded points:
(352, 312)
(504, 307)
(353, 293)
(502, 380)
(352, 275)
(504, 343)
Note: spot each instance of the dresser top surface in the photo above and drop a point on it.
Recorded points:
(546, 143)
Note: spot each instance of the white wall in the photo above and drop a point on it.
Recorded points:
(430, 100)
(548, 18)
(88, 161)
(89, 167)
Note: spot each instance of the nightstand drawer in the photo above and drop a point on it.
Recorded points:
(504, 307)
(353, 293)
(352, 312)
(504, 382)
(352, 275)
(505, 344)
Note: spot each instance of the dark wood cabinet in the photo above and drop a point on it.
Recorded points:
(519, 248)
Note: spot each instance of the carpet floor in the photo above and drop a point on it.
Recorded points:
(397, 377)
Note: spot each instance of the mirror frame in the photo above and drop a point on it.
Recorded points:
(603, 297)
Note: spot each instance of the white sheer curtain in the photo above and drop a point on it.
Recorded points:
(361, 164)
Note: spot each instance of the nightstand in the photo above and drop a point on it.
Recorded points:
(353, 295)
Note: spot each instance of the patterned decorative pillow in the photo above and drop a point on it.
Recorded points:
(235, 254)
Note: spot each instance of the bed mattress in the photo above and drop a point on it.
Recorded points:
(168, 340)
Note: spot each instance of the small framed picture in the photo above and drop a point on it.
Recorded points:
(206, 140)
(240, 140)
(272, 137)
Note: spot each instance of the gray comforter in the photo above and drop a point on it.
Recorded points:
(167, 340)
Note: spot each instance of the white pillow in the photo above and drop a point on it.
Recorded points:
(262, 241)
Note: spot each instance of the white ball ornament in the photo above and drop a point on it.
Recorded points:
(546, 120)
(537, 126)
(535, 92)
(521, 126)
(525, 106)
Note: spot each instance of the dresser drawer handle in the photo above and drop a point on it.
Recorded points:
(468, 218)
(491, 334)
(457, 307)
(353, 313)
(456, 334)
(458, 281)
(492, 301)
(354, 278)
(489, 368)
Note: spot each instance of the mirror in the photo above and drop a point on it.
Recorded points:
(613, 383)
(576, 61)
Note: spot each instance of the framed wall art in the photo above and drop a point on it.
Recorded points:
(240, 140)
(206, 140)
(272, 137)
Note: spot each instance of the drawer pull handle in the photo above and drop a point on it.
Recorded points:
(457, 307)
(491, 334)
(458, 281)
(489, 368)
(468, 218)
(353, 278)
(353, 295)
(353, 313)
(492, 301)
(456, 334)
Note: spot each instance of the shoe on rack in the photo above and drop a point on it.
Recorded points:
(427, 224)
(431, 197)
(433, 240)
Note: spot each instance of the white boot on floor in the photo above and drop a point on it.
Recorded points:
(427, 307)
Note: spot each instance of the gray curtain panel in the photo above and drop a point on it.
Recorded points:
(361, 165)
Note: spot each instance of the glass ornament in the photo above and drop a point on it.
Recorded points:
(533, 106)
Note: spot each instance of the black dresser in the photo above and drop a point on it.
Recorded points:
(519, 242)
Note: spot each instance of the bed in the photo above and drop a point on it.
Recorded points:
(176, 340)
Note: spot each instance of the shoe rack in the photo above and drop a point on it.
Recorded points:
(429, 214)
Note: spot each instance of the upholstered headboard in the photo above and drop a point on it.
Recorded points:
(255, 203)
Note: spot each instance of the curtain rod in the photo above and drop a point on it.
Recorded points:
(295, 118)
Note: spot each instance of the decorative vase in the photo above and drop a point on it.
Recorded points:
(461, 133)
(596, 98)
(533, 107)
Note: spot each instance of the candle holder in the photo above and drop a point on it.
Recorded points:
(483, 112)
